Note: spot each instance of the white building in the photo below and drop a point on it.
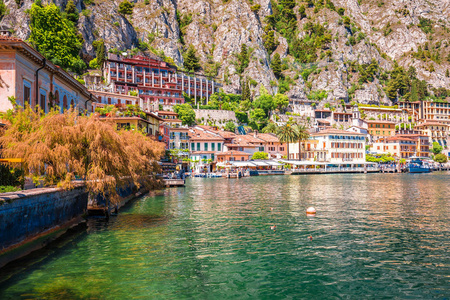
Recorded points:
(333, 146)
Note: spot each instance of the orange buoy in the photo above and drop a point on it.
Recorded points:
(311, 211)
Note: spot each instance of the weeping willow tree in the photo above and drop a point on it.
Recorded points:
(58, 148)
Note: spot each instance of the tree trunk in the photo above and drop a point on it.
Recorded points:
(299, 150)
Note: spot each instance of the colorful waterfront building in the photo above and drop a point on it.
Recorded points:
(233, 155)
(156, 81)
(403, 146)
(435, 130)
(108, 98)
(28, 77)
(428, 110)
(332, 145)
(204, 143)
(272, 144)
(380, 129)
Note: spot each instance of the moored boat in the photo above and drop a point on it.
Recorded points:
(418, 165)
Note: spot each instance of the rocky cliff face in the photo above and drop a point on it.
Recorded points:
(385, 31)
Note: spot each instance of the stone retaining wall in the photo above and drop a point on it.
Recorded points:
(215, 115)
(28, 215)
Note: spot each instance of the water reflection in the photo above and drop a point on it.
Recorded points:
(374, 236)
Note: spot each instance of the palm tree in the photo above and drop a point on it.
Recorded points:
(302, 136)
(270, 128)
(287, 134)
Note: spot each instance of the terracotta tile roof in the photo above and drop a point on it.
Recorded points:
(227, 134)
(167, 113)
(200, 135)
(268, 137)
(203, 152)
(248, 138)
(431, 123)
(399, 138)
(9, 38)
(380, 121)
(233, 152)
(241, 145)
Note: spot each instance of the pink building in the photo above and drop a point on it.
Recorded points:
(26, 75)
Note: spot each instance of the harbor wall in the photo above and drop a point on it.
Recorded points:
(31, 219)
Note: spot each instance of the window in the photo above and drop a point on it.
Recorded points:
(206, 146)
(218, 146)
(213, 146)
(109, 100)
(242, 158)
(42, 99)
(26, 92)
(281, 148)
(192, 146)
(198, 146)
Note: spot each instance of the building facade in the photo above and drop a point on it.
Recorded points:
(155, 80)
(380, 129)
(436, 131)
(333, 145)
(28, 77)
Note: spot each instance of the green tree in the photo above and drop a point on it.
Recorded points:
(275, 64)
(100, 49)
(258, 119)
(55, 37)
(246, 93)
(243, 59)
(302, 136)
(270, 43)
(281, 101)
(302, 12)
(341, 11)
(287, 134)
(436, 148)
(126, 8)
(260, 155)
(191, 61)
(3, 9)
(241, 116)
(264, 102)
(230, 126)
(185, 113)
(447, 73)
(71, 12)
(440, 158)
(271, 128)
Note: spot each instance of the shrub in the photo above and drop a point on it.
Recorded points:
(126, 8)
(341, 11)
(255, 8)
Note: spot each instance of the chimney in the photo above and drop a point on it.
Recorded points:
(5, 31)
(255, 133)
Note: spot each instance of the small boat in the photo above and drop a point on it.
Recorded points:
(418, 165)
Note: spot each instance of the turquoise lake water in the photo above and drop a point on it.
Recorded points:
(375, 236)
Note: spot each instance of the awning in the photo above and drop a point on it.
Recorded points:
(273, 163)
(242, 164)
(260, 163)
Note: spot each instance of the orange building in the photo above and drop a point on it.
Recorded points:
(380, 129)
(232, 155)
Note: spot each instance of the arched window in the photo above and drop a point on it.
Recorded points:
(64, 107)
(55, 101)
(72, 104)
